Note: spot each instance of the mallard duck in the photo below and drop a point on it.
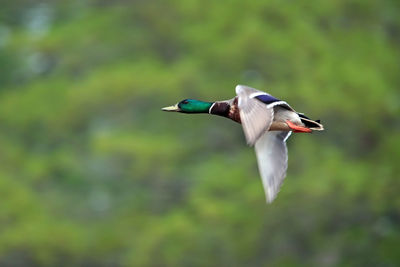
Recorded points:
(267, 124)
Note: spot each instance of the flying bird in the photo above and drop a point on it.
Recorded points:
(267, 123)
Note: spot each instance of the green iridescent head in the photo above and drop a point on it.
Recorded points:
(190, 106)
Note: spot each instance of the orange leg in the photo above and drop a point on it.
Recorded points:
(297, 129)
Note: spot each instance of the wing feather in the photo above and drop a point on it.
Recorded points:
(272, 161)
(255, 116)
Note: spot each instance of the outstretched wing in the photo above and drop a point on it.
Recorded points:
(272, 160)
(255, 116)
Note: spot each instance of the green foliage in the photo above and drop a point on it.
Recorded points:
(93, 173)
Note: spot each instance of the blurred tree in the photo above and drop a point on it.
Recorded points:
(93, 174)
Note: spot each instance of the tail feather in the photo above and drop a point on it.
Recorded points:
(313, 125)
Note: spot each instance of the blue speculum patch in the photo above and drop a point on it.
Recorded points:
(267, 99)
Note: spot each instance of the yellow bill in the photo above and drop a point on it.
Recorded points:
(171, 108)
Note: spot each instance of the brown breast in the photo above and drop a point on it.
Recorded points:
(234, 113)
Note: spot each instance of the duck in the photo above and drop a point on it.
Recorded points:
(267, 123)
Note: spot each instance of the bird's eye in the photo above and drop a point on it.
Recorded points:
(185, 102)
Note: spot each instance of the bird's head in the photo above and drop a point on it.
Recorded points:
(190, 106)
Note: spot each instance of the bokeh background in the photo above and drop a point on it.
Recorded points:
(92, 173)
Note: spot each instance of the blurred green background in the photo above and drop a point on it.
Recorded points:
(92, 173)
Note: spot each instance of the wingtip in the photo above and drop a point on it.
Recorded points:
(250, 144)
(270, 200)
(270, 195)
